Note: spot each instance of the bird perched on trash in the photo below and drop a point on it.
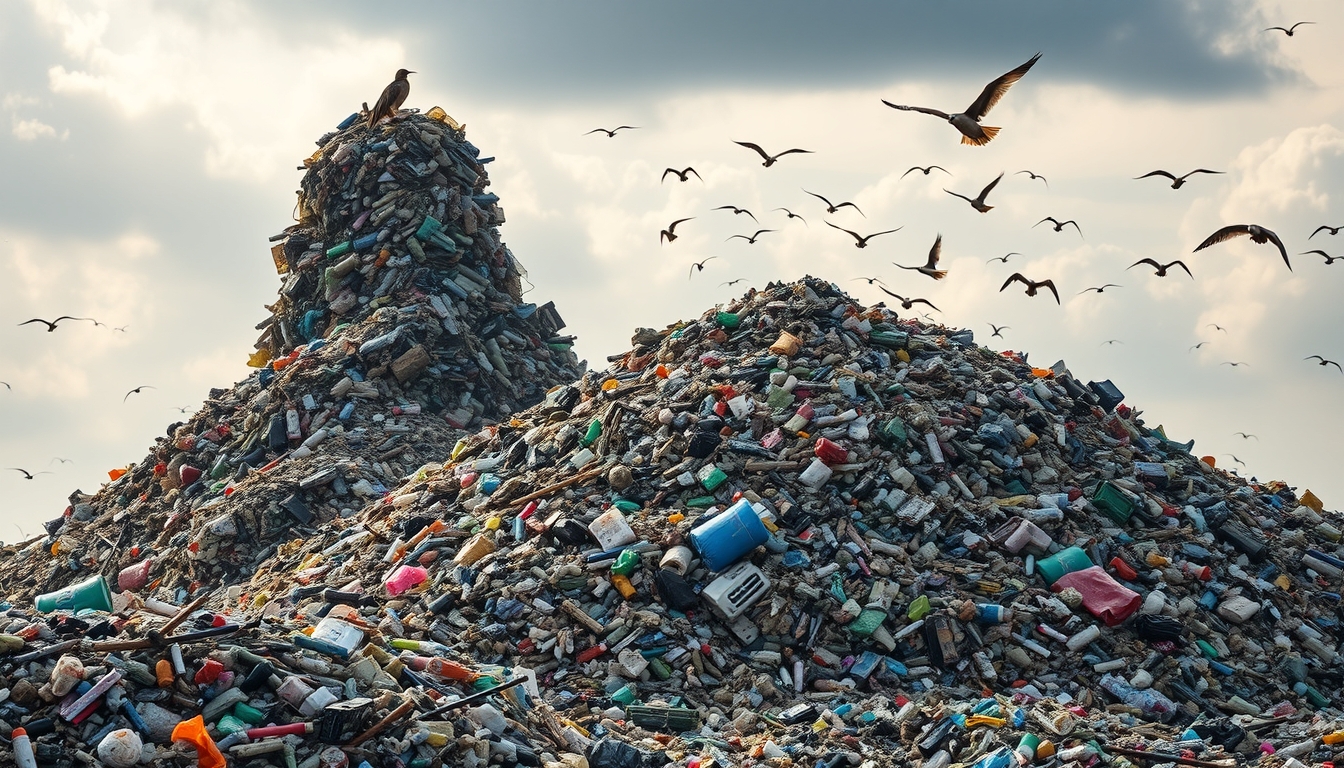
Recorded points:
(925, 169)
(1328, 258)
(736, 211)
(1258, 234)
(137, 391)
(968, 122)
(929, 268)
(670, 233)
(1162, 268)
(907, 303)
(699, 265)
(770, 159)
(51, 324)
(392, 97)
(792, 215)
(611, 134)
(1004, 258)
(860, 240)
(681, 175)
(998, 328)
(1176, 181)
(1059, 225)
(1100, 288)
(1324, 362)
(1327, 228)
(1034, 176)
(28, 475)
(833, 207)
(752, 239)
(1289, 30)
(1032, 285)
(979, 202)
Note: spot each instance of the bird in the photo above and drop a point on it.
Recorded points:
(737, 210)
(1176, 181)
(929, 268)
(1109, 342)
(681, 175)
(1289, 30)
(925, 169)
(28, 475)
(968, 122)
(611, 134)
(1324, 362)
(1233, 364)
(792, 215)
(699, 265)
(1100, 288)
(1034, 176)
(770, 159)
(122, 328)
(871, 280)
(51, 324)
(1162, 268)
(1032, 285)
(1197, 346)
(1246, 436)
(136, 391)
(907, 303)
(1059, 225)
(1328, 258)
(833, 207)
(670, 233)
(979, 202)
(1004, 259)
(861, 241)
(998, 328)
(1216, 327)
(752, 239)
(1258, 234)
(1234, 458)
(732, 282)
(55, 459)
(392, 97)
(6, 383)
(179, 408)
(1326, 227)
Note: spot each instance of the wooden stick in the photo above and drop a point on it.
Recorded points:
(1163, 757)
(182, 615)
(382, 725)
(548, 490)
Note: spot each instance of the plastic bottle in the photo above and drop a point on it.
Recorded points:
(23, 749)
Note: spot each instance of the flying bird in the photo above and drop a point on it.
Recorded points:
(792, 215)
(1324, 362)
(122, 328)
(1100, 288)
(861, 241)
(1328, 258)
(1289, 30)
(998, 328)
(871, 280)
(136, 391)
(979, 202)
(611, 134)
(770, 159)
(670, 233)
(179, 408)
(752, 239)
(1059, 225)
(28, 475)
(1032, 285)
(1234, 365)
(6, 383)
(968, 122)
(1162, 268)
(1034, 176)
(732, 282)
(55, 459)
(1004, 259)
(833, 207)
(1234, 458)
(907, 303)
(1326, 227)
(1110, 342)
(925, 169)
(1197, 346)
(929, 268)
(1216, 327)
(392, 97)
(736, 211)
(699, 265)
(1246, 436)
(681, 175)
(1176, 181)
(51, 324)
(1258, 235)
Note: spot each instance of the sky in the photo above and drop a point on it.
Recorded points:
(150, 148)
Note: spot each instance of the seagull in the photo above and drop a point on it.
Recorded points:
(136, 391)
(751, 240)
(1100, 288)
(1324, 362)
(392, 97)
(833, 207)
(699, 265)
(871, 280)
(1032, 285)
(179, 408)
(979, 202)
(731, 282)
(1234, 458)
(1059, 225)
(1197, 346)
(1246, 436)
(968, 122)
(1258, 235)
(737, 210)
(998, 328)
(929, 268)
(1004, 259)
(1162, 268)
(793, 215)
(925, 170)
(1110, 342)
(28, 475)
(1326, 227)
(51, 324)
(611, 134)
(862, 242)
(58, 458)
(1328, 258)
(1234, 365)
(1035, 176)
(122, 328)
(1176, 181)
(670, 233)
(1216, 327)
(681, 175)
(1288, 31)
(770, 159)
(908, 303)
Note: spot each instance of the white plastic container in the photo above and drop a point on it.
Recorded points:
(611, 530)
(815, 475)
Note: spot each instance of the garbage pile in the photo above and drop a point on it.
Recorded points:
(794, 531)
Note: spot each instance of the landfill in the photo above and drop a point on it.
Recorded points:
(795, 530)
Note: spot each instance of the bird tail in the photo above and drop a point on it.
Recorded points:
(938, 274)
(989, 132)
(987, 209)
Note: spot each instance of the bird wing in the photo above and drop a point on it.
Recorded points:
(924, 301)
(1317, 232)
(1051, 285)
(595, 130)
(72, 317)
(855, 207)
(819, 197)
(792, 151)
(674, 224)
(893, 295)
(883, 232)
(958, 194)
(1181, 264)
(665, 172)
(935, 253)
(1332, 362)
(1145, 261)
(1300, 23)
(1271, 29)
(925, 110)
(1313, 357)
(1157, 173)
(760, 232)
(1074, 223)
(35, 320)
(939, 167)
(854, 235)
(1015, 277)
(1323, 253)
(1200, 170)
(917, 168)
(985, 192)
(1042, 221)
(996, 89)
(692, 170)
(731, 237)
(622, 127)
(1274, 238)
(756, 147)
(1226, 233)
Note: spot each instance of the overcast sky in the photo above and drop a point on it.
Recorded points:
(149, 149)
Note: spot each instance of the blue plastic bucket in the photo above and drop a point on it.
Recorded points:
(729, 535)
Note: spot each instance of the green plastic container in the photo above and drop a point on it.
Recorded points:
(1063, 562)
(727, 319)
(1113, 502)
(867, 622)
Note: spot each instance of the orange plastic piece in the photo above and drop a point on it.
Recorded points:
(193, 731)
(449, 669)
(164, 672)
(115, 474)
(1212, 462)
(623, 584)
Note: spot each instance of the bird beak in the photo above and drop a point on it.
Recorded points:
(411, 72)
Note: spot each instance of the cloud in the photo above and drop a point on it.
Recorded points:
(33, 129)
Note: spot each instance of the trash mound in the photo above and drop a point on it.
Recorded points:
(400, 322)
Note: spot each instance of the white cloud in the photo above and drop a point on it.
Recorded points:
(33, 129)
